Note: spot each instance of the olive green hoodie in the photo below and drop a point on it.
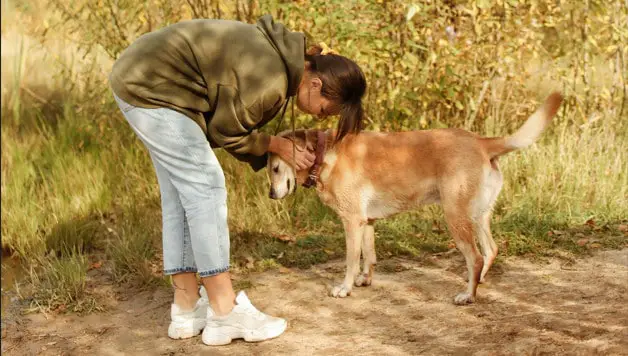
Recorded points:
(230, 77)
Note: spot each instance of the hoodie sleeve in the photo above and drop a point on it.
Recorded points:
(232, 124)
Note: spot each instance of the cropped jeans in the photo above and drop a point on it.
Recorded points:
(192, 189)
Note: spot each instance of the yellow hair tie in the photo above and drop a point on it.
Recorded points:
(326, 50)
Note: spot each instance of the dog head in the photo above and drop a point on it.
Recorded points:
(282, 176)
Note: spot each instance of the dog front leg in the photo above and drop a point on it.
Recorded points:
(354, 231)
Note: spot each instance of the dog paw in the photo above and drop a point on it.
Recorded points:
(340, 291)
(363, 280)
(463, 299)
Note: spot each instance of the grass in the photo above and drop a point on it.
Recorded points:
(61, 285)
(78, 187)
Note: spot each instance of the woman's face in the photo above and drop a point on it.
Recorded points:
(311, 101)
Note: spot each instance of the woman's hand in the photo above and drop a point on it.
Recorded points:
(283, 147)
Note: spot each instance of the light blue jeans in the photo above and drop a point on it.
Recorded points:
(192, 186)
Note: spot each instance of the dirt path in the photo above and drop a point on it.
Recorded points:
(525, 307)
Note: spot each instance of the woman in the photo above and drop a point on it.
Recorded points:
(219, 81)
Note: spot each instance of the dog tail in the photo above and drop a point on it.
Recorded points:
(528, 133)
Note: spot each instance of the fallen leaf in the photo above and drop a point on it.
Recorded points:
(96, 265)
(400, 268)
(287, 238)
(284, 270)
(558, 232)
(623, 228)
(582, 242)
(595, 245)
(102, 330)
(250, 262)
(436, 227)
(451, 245)
(590, 222)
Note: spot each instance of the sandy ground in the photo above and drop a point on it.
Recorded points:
(525, 308)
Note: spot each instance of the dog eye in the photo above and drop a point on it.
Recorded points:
(276, 169)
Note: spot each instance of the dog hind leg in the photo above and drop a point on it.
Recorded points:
(462, 228)
(368, 255)
(489, 248)
(494, 183)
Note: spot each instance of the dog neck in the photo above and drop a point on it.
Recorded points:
(321, 146)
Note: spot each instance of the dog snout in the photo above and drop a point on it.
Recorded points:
(272, 194)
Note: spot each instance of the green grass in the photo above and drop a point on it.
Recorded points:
(78, 187)
(59, 284)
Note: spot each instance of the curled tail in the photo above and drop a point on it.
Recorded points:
(528, 133)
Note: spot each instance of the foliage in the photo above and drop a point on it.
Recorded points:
(429, 64)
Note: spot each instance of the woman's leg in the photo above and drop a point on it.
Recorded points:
(192, 186)
(220, 293)
(179, 146)
(201, 188)
(188, 312)
(185, 290)
(177, 246)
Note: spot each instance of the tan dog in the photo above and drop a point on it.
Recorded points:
(372, 175)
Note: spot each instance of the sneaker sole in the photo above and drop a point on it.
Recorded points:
(223, 335)
(178, 331)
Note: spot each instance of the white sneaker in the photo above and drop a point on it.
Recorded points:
(244, 321)
(186, 324)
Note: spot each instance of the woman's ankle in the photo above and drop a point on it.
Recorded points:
(186, 300)
(186, 291)
(220, 293)
(222, 306)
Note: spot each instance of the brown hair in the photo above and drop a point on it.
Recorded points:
(344, 83)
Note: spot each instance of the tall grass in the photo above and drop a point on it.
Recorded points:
(78, 187)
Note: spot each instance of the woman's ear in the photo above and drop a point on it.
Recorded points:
(316, 83)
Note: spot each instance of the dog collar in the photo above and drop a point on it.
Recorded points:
(321, 143)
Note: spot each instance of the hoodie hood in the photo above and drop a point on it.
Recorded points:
(290, 46)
